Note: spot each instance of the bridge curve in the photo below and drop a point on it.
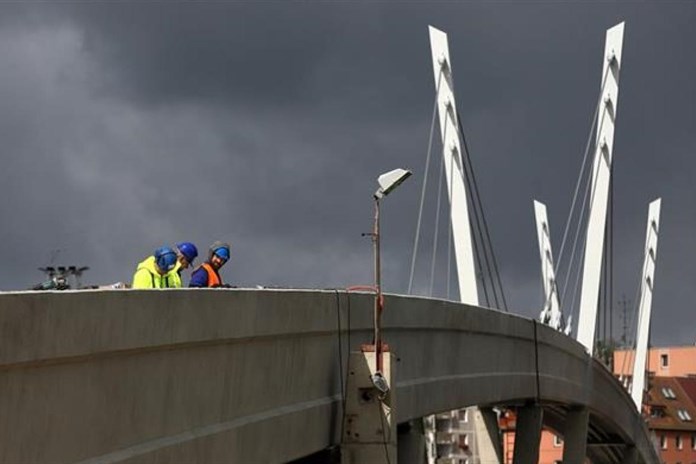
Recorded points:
(239, 375)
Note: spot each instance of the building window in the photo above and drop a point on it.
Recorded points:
(668, 393)
(557, 441)
(663, 442)
(693, 441)
(664, 361)
(657, 411)
(678, 442)
(684, 415)
(464, 417)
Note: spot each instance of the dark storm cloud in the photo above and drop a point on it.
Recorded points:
(129, 125)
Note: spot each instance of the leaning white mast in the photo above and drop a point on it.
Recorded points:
(449, 129)
(646, 283)
(599, 193)
(459, 213)
(551, 313)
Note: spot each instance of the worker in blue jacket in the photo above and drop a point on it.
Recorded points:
(207, 274)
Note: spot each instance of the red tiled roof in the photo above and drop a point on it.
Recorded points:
(684, 390)
(688, 384)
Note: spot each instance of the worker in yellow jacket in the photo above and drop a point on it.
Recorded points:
(186, 253)
(155, 271)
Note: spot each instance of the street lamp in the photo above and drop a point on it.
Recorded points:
(387, 183)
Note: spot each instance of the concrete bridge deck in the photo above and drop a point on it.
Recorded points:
(232, 375)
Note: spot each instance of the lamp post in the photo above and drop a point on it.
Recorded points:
(387, 183)
(366, 436)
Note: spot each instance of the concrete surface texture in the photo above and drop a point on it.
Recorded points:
(233, 375)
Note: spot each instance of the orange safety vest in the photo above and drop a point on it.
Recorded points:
(213, 277)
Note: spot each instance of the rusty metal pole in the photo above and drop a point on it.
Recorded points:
(378, 287)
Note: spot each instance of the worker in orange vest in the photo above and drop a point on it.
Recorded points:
(207, 274)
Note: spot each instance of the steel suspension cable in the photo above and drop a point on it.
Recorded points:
(609, 268)
(604, 287)
(475, 242)
(449, 229)
(574, 248)
(573, 311)
(583, 209)
(479, 241)
(582, 168)
(479, 261)
(483, 219)
(575, 242)
(611, 255)
(569, 221)
(437, 225)
(607, 264)
(639, 293)
(602, 302)
(425, 182)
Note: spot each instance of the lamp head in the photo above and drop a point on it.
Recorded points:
(380, 383)
(390, 180)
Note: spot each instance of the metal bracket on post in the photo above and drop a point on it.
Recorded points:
(369, 423)
(599, 192)
(647, 279)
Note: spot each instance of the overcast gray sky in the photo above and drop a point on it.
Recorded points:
(128, 125)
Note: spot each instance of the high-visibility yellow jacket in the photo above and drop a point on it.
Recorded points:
(147, 276)
(175, 276)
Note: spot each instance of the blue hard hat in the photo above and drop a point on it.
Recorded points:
(188, 250)
(220, 249)
(165, 258)
(223, 253)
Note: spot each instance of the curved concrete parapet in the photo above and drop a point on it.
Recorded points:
(190, 375)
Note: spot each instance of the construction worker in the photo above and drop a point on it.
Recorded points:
(186, 254)
(155, 271)
(207, 274)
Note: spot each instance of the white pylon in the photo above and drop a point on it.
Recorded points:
(452, 153)
(551, 313)
(599, 188)
(456, 189)
(646, 292)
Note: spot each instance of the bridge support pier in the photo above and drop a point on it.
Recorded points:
(369, 423)
(630, 456)
(528, 434)
(411, 442)
(490, 448)
(575, 436)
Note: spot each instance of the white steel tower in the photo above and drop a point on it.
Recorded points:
(454, 168)
(551, 313)
(599, 189)
(646, 291)
(487, 448)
